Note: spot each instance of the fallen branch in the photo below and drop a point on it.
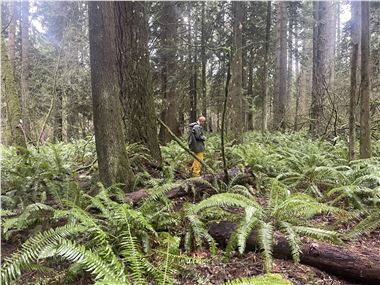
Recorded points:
(182, 190)
(362, 266)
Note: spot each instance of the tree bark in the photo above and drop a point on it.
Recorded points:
(323, 52)
(13, 104)
(289, 80)
(281, 68)
(355, 39)
(12, 37)
(134, 75)
(365, 130)
(25, 65)
(265, 69)
(352, 265)
(235, 91)
(168, 46)
(204, 64)
(192, 66)
(112, 156)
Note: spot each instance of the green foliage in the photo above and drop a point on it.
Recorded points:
(267, 279)
(113, 241)
(287, 212)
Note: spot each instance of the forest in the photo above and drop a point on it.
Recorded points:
(190, 142)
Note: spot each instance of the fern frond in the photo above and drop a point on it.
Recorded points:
(226, 200)
(317, 233)
(32, 248)
(267, 279)
(133, 256)
(371, 222)
(107, 271)
(245, 228)
(293, 240)
(265, 234)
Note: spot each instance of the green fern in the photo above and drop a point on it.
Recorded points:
(267, 279)
(31, 249)
(283, 211)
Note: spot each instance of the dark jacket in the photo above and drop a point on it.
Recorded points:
(196, 138)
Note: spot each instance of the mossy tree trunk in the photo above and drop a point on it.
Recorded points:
(12, 101)
(365, 130)
(323, 64)
(134, 75)
(355, 42)
(110, 147)
(168, 50)
(25, 65)
(279, 102)
(235, 91)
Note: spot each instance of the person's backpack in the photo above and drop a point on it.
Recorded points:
(191, 137)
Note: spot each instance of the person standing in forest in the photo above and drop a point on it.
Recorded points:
(196, 144)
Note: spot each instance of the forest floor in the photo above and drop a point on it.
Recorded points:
(216, 270)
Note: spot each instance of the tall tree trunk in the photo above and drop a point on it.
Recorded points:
(365, 131)
(112, 156)
(298, 77)
(9, 90)
(280, 98)
(25, 65)
(355, 39)
(235, 92)
(289, 82)
(192, 65)
(168, 50)
(250, 91)
(134, 75)
(12, 36)
(323, 52)
(204, 63)
(265, 69)
(59, 34)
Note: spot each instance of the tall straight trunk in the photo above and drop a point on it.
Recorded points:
(110, 147)
(236, 71)
(280, 103)
(298, 77)
(265, 69)
(12, 36)
(204, 63)
(365, 130)
(13, 104)
(323, 53)
(250, 91)
(192, 61)
(289, 82)
(134, 75)
(72, 109)
(25, 64)
(355, 40)
(168, 50)
(59, 31)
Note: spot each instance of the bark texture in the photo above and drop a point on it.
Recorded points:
(25, 64)
(323, 64)
(279, 104)
(352, 265)
(13, 104)
(168, 51)
(134, 75)
(365, 130)
(112, 156)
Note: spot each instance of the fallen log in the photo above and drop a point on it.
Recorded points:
(362, 266)
(182, 190)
